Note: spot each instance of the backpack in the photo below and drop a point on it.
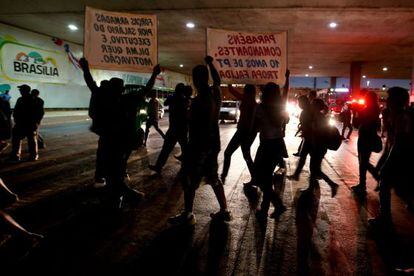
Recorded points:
(333, 138)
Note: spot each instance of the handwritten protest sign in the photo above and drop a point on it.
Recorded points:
(254, 58)
(120, 41)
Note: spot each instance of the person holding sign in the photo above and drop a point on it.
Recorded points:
(246, 133)
(116, 130)
(203, 146)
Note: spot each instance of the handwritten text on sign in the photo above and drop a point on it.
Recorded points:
(120, 41)
(252, 58)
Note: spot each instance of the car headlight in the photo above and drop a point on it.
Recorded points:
(233, 112)
(332, 121)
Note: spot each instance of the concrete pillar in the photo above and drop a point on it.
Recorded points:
(314, 83)
(333, 82)
(355, 77)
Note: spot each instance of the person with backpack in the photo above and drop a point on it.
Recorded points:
(323, 137)
(368, 140)
(396, 169)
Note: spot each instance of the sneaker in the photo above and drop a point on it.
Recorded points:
(278, 212)
(133, 194)
(293, 177)
(184, 218)
(99, 183)
(359, 189)
(154, 168)
(222, 215)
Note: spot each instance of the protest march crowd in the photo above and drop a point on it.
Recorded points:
(194, 124)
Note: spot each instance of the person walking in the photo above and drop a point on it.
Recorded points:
(5, 120)
(368, 140)
(346, 118)
(178, 128)
(153, 116)
(26, 122)
(203, 146)
(246, 132)
(39, 112)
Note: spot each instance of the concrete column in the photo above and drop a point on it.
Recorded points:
(333, 82)
(355, 77)
(314, 83)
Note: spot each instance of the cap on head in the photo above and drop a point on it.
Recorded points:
(24, 88)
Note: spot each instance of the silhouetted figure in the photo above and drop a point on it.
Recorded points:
(178, 129)
(5, 120)
(153, 116)
(385, 121)
(116, 129)
(99, 97)
(27, 116)
(319, 146)
(346, 118)
(246, 132)
(368, 140)
(203, 145)
(39, 107)
(312, 95)
(7, 198)
(305, 127)
(396, 171)
(270, 116)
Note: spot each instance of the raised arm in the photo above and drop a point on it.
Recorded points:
(286, 87)
(150, 84)
(214, 74)
(235, 93)
(87, 75)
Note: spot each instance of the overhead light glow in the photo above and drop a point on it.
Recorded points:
(310, 67)
(181, 65)
(72, 27)
(384, 69)
(364, 76)
(190, 25)
(333, 25)
(307, 75)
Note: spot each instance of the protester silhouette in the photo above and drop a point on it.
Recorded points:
(368, 139)
(396, 169)
(246, 131)
(270, 116)
(27, 115)
(319, 147)
(5, 120)
(116, 130)
(203, 145)
(346, 118)
(305, 127)
(153, 116)
(39, 109)
(178, 128)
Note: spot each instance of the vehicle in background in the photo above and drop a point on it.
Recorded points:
(229, 110)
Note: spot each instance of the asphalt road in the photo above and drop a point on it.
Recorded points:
(318, 235)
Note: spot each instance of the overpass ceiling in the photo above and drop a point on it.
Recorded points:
(377, 32)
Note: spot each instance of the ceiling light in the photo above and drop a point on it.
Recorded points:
(310, 67)
(364, 76)
(72, 27)
(181, 65)
(333, 25)
(307, 75)
(384, 69)
(190, 25)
